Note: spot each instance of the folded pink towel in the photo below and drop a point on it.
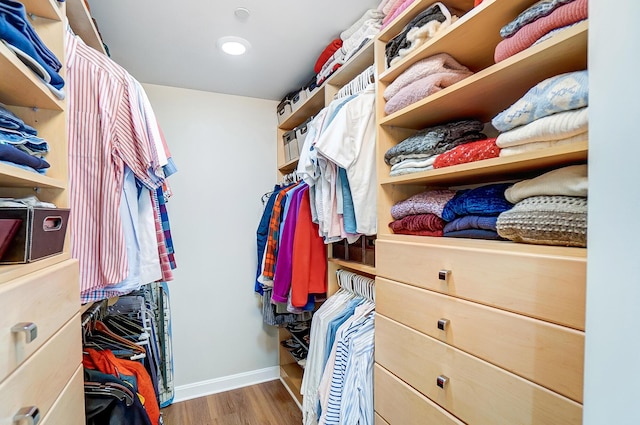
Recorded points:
(527, 35)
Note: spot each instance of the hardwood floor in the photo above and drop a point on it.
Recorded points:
(263, 404)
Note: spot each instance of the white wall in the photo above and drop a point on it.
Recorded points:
(612, 369)
(225, 150)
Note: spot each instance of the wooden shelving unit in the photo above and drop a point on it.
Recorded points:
(518, 285)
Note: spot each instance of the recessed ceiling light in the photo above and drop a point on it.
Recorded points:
(233, 45)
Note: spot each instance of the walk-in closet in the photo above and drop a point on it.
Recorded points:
(380, 212)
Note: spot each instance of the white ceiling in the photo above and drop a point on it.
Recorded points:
(173, 43)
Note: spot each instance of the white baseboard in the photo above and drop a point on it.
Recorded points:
(226, 383)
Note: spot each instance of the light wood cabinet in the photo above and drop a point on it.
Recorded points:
(44, 296)
(502, 324)
(475, 391)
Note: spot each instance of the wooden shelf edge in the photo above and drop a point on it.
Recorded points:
(82, 24)
(502, 247)
(17, 177)
(310, 107)
(288, 167)
(10, 272)
(402, 117)
(364, 268)
(291, 377)
(354, 66)
(496, 166)
(49, 9)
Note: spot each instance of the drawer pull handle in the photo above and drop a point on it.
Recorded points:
(444, 275)
(29, 329)
(30, 414)
(442, 324)
(442, 381)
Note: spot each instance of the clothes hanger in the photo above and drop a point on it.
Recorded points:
(110, 389)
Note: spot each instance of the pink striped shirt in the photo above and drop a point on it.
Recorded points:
(106, 131)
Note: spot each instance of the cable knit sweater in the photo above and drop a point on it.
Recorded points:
(435, 140)
(561, 93)
(485, 200)
(546, 220)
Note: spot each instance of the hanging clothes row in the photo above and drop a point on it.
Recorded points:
(125, 361)
(337, 162)
(118, 165)
(292, 256)
(337, 386)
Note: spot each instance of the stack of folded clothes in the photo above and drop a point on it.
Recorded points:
(473, 213)
(351, 40)
(550, 209)
(418, 152)
(422, 28)
(552, 113)
(19, 36)
(423, 78)
(19, 143)
(539, 22)
(421, 214)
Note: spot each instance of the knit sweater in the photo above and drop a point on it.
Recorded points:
(566, 181)
(560, 93)
(553, 127)
(417, 36)
(468, 152)
(546, 220)
(534, 12)
(564, 15)
(471, 222)
(327, 53)
(419, 222)
(485, 200)
(435, 140)
(429, 202)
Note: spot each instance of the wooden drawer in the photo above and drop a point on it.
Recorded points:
(69, 408)
(536, 281)
(548, 354)
(40, 380)
(48, 298)
(399, 404)
(477, 392)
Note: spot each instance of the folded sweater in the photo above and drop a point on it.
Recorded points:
(419, 222)
(485, 200)
(532, 13)
(536, 146)
(553, 127)
(435, 140)
(560, 93)
(428, 202)
(468, 152)
(564, 15)
(565, 181)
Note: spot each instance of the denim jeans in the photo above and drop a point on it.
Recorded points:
(9, 120)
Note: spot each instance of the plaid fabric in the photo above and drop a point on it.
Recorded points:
(274, 235)
(165, 263)
(166, 228)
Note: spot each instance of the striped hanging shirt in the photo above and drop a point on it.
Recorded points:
(106, 131)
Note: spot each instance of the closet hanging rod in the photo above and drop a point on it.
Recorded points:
(95, 312)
